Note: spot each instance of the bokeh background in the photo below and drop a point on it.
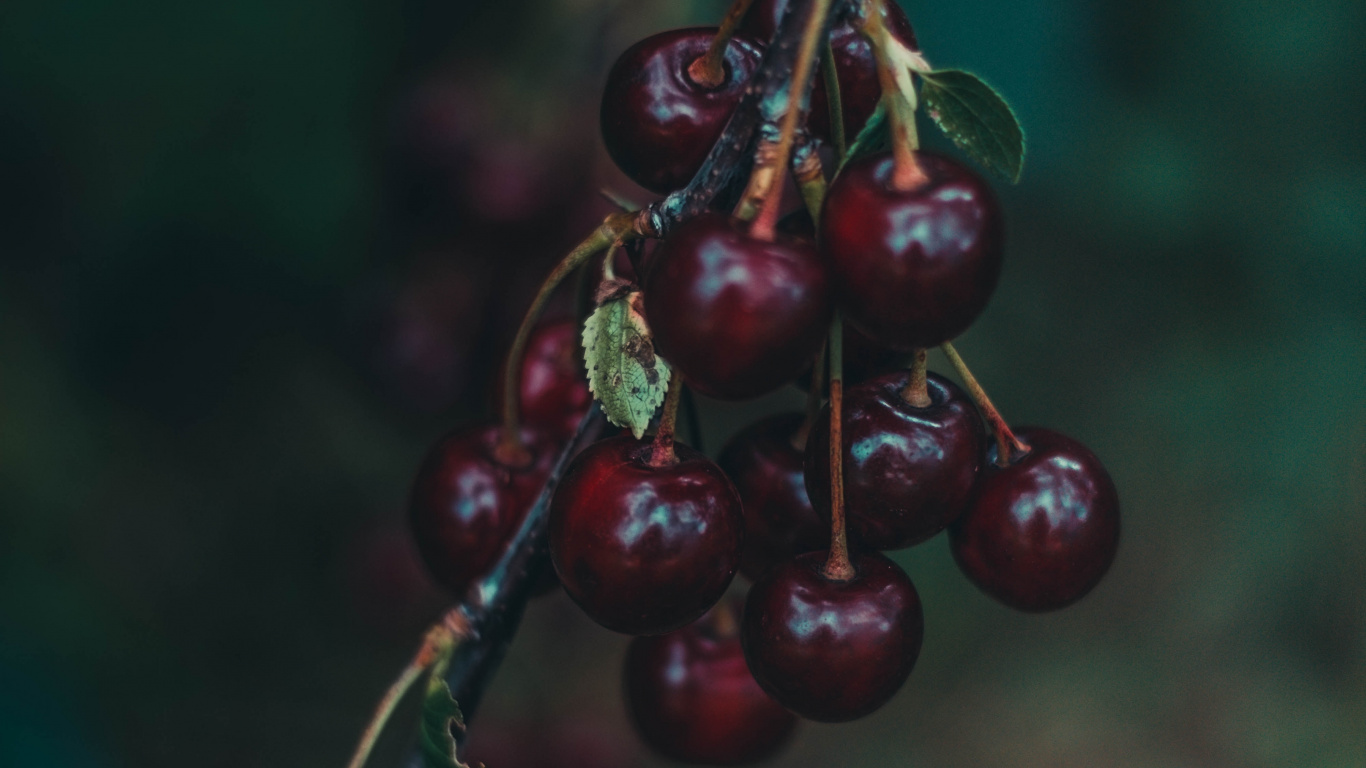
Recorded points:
(256, 256)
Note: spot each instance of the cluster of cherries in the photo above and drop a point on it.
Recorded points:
(646, 535)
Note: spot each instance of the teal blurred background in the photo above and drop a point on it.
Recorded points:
(256, 256)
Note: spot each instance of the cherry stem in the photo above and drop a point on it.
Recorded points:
(436, 649)
(709, 69)
(837, 565)
(1005, 439)
(662, 452)
(812, 36)
(813, 400)
(906, 172)
(616, 228)
(724, 623)
(917, 390)
(833, 98)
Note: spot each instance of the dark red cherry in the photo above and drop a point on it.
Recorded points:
(908, 471)
(738, 316)
(466, 504)
(658, 124)
(912, 269)
(692, 698)
(555, 393)
(642, 549)
(854, 64)
(1042, 531)
(828, 650)
(766, 468)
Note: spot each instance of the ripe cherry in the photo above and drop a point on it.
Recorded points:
(854, 63)
(766, 467)
(466, 504)
(912, 269)
(831, 650)
(644, 549)
(737, 315)
(554, 390)
(692, 698)
(1043, 530)
(658, 123)
(908, 471)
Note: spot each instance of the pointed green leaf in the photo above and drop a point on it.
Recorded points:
(441, 720)
(624, 373)
(876, 136)
(976, 118)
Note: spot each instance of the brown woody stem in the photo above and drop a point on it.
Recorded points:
(837, 565)
(709, 69)
(1006, 441)
(662, 451)
(917, 391)
(616, 228)
(763, 225)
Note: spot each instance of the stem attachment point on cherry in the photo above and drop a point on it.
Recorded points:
(898, 97)
(1008, 446)
(709, 69)
(917, 390)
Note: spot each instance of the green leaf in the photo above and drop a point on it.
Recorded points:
(624, 373)
(876, 136)
(441, 720)
(976, 118)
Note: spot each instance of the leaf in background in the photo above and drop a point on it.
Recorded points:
(623, 371)
(977, 119)
(876, 136)
(440, 714)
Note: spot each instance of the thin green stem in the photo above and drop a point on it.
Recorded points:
(813, 400)
(1006, 441)
(616, 228)
(833, 98)
(433, 654)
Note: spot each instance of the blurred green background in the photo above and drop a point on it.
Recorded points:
(256, 256)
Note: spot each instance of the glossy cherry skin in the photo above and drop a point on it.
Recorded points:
(767, 471)
(908, 471)
(1044, 530)
(828, 650)
(854, 64)
(554, 390)
(738, 316)
(692, 698)
(912, 269)
(644, 550)
(466, 504)
(657, 123)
